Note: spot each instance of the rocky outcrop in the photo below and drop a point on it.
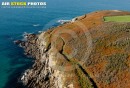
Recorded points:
(85, 53)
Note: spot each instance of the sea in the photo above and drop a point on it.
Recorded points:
(14, 22)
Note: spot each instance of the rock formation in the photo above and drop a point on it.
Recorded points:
(85, 53)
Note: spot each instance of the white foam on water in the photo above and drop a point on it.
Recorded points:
(36, 25)
(63, 21)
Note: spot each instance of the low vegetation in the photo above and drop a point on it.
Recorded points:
(125, 18)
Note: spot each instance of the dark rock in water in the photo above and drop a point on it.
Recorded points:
(17, 42)
(22, 43)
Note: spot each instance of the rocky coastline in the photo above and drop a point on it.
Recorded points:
(62, 59)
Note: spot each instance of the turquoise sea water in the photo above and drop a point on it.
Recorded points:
(14, 22)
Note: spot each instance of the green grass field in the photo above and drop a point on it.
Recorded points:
(117, 18)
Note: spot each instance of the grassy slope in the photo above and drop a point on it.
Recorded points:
(117, 18)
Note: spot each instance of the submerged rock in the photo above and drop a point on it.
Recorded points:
(17, 42)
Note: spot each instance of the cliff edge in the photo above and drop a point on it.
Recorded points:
(84, 53)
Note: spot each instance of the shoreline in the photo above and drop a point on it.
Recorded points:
(56, 64)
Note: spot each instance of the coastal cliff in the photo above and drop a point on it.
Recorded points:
(84, 53)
